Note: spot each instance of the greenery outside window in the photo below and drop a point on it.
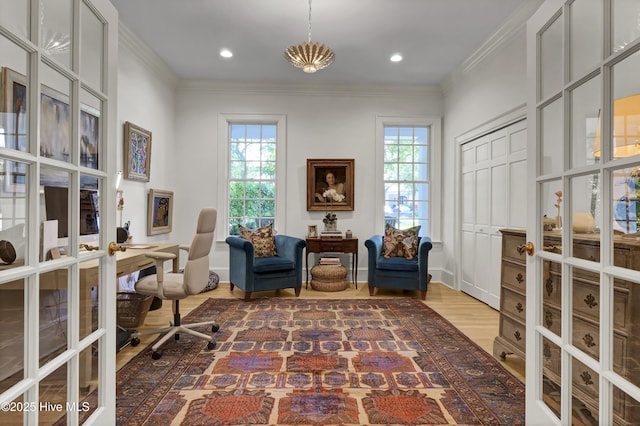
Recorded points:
(406, 177)
(252, 175)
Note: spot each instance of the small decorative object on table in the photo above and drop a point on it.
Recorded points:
(348, 234)
(330, 219)
(557, 205)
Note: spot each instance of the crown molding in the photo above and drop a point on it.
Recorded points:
(514, 26)
(309, 89)
(129, 40)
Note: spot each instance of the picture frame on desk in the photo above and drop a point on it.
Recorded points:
(312, 231)
(160, 212)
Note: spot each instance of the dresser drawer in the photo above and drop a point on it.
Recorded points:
(514, 304)
(513, 331)
(514, 276)
(510, 244)
(586, 337)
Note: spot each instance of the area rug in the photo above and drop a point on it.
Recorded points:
(320, 362)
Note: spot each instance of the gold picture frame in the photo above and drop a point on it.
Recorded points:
(318, 171)
(137, 153)
(160, 212)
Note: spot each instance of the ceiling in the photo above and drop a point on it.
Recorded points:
(433, 36)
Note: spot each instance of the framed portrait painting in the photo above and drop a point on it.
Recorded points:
(160, 212)
(330, 184)
(137, 152)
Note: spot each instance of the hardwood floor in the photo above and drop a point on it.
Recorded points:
(474, 318)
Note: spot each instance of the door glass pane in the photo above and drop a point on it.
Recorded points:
(11, 335)
(54, 312)
(13, 15)
(551, 389)
(624, 405)
(89, 293)
(585, 382)
(55, 119)
(625, 23)
(91, 48)
(13, 212)
(551, 59)
(552, 296)
(625, 193)
(585, 217)
(90, 142)
(551, 205)
(585, 112)
(88, 380)
(55, 217)
(89, 210)
(13, 104)
(55, 30)
(626, 107)
(552, 156)
(586, 36)
(12, 417)
(53, 390)
(626, 343)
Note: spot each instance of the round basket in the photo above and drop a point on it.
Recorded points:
(329, 278)
(132, 309)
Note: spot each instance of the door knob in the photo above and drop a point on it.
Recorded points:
(113, 247)
(526, 248)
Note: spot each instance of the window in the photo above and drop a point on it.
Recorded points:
(252, 176)
(255, 171)
(406, 177)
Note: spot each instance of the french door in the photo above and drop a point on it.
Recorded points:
(583, 272)
(57, 203)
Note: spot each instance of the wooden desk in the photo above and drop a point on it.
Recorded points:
(334, 245)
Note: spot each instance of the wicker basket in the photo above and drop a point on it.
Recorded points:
(329, 278)
(132, 309)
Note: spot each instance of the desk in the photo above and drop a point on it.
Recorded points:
(334, 245)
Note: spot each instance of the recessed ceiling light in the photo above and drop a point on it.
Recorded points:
(396, 57)
(226, 53)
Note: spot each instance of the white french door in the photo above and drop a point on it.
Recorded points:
(493, 179)
(58, 62)
(583, 277)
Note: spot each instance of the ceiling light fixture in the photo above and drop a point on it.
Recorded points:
(309, 56)
(396, 57)
(226, 53)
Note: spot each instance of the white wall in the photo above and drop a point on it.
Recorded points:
(484, 89)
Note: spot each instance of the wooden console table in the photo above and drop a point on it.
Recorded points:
(334, 245)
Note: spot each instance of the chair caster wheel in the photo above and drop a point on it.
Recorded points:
(215, 328)
(156, 354)
(211, 345)
(135, 341)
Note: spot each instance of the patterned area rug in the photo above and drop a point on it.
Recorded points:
(320, 362)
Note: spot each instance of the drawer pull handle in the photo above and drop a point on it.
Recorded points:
(586, 378)
(549, 286)
(517, 335)
(590, 301)
(588, 340)
(548, 319)
(519, 307)
(593, 259)
(519, 278)
(546, 350)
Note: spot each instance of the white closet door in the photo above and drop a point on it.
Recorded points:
(493, 180)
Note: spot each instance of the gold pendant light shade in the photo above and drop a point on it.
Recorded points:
(309, 56)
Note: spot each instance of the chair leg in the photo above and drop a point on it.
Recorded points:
(371, 290)
(423, 294)
(231, 286)
(298, 291)
(247, 296)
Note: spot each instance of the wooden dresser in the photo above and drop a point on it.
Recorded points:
(585, 319)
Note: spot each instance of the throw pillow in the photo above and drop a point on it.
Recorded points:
(15, 235)
(264, 244)
(400, 242)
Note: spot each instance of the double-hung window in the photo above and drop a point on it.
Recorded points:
(407, 169)
(255, 167)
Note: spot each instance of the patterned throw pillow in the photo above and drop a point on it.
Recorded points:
(400, 242)
(264, 245)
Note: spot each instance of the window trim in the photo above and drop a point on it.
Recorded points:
(435, 146)
(224, 123)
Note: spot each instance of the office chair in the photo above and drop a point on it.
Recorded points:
(175, 286)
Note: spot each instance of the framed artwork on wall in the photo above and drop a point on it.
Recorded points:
(137, 153)
(324, 175)
(160, 212)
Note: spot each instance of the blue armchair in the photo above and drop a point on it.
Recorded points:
(398, 272)
(265, 273)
